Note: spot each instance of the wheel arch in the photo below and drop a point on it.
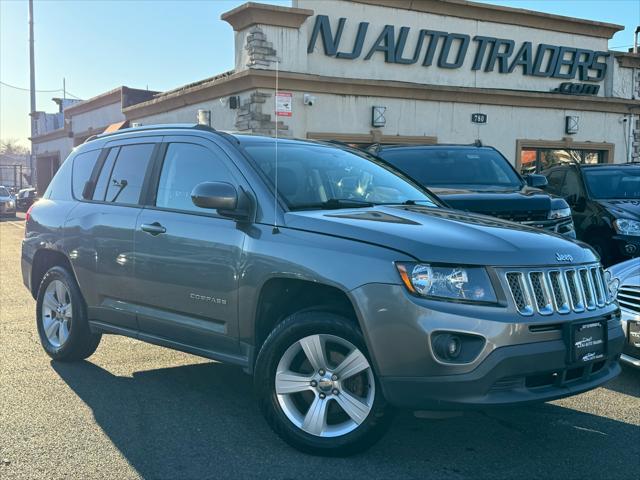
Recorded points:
(280, 297)
(43, 260)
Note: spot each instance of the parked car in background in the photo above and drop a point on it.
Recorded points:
(605, 201)
(342, 285)
(479, 179)
(25, 198)
(626, 277)
(7, 202)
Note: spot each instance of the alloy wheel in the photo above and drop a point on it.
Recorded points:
(57, 313)
(325, 385)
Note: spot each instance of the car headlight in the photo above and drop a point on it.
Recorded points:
(559, 213)
(447, 282)
(626, 226)
(612, 284)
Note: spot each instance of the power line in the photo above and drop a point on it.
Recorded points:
(27, 90)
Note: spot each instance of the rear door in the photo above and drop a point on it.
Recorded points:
(188, 258)
(100, 231)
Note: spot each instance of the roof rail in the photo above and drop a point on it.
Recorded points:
(160, 126)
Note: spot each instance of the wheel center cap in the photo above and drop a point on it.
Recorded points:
(325, 384)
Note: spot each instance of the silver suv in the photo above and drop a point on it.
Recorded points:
(346, 290)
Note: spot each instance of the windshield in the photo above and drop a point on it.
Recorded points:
(454, 167)
(314, 177)
(604, 183)
(4, 192)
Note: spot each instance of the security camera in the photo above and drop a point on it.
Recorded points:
(308, 99)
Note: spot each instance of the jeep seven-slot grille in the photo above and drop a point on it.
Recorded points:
(629, 298)
(559, 290)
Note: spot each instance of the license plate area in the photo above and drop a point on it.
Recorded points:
(587, 342)
(634, 334)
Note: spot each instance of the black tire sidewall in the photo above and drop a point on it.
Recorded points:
(292, 329)
(79, 332)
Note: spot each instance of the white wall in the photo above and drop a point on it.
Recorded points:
(97, 118)
(291, 45)
(451, 122)
(222, 117)
(62, 145)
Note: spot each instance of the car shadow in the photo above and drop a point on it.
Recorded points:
(628, 383)
(200, 421)
(6, 218)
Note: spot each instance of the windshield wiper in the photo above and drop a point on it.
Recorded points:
(334, 204)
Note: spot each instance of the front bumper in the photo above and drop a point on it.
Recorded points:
(521, 374)
(627, 246)
(522, 359)
(5, 209)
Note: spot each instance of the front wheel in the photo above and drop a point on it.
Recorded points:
(317, 388)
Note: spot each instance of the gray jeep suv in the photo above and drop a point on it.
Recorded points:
(349, 292)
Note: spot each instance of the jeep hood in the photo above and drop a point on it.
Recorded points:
(442, 235)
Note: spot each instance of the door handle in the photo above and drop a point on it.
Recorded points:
(153, 228)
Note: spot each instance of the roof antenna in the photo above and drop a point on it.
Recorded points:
(275, 192)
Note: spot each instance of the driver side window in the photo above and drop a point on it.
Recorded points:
(185, 166)
(571, 187)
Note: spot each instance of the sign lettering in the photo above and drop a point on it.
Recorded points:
(449, 50)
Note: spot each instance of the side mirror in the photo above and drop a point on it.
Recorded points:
(536, 180)
(220, 196)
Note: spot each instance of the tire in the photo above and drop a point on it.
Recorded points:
(79, 342)
(285, 413)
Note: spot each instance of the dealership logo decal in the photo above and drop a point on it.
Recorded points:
(449, 50)
(564, 257)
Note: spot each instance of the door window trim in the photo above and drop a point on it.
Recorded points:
(106, 149)
(239, 182)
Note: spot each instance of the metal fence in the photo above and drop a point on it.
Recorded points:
(15, 176)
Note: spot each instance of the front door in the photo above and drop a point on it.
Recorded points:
(187, 259)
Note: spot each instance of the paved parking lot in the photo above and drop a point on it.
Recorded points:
(139, 411)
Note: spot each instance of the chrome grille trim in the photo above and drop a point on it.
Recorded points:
(587, 289)
(557, 290)
(541, 293)
(629, 298)
(520, 293)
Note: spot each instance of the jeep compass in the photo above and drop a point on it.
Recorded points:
(342, 286)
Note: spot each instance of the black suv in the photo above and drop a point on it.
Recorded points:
(479, 179)
(605, 200)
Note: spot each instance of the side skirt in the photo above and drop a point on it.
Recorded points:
(100, 327)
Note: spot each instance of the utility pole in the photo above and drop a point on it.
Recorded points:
(32, 86)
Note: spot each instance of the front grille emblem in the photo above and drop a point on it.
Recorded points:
(563, 257)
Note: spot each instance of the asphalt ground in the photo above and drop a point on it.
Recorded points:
(134, 410)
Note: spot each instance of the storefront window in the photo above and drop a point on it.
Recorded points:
(534, 160)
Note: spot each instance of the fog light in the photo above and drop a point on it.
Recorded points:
(630, 248)
(447, 346)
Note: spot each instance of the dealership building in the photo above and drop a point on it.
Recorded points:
(540, 88)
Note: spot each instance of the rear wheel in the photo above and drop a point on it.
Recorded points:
(317, 388)
(62, 319)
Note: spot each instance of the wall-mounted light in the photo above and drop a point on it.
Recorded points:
(234, 102)
(377, 116)
(572, 124)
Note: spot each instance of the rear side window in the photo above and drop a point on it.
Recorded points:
(186, 165)
(82, 167)
(123, 174)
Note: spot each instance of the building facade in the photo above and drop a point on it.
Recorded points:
(540, 88)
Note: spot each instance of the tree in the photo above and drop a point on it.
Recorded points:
(10, 146)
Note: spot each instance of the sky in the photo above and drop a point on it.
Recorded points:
(97, 45)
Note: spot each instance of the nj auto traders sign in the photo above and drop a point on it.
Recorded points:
(449, 50)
